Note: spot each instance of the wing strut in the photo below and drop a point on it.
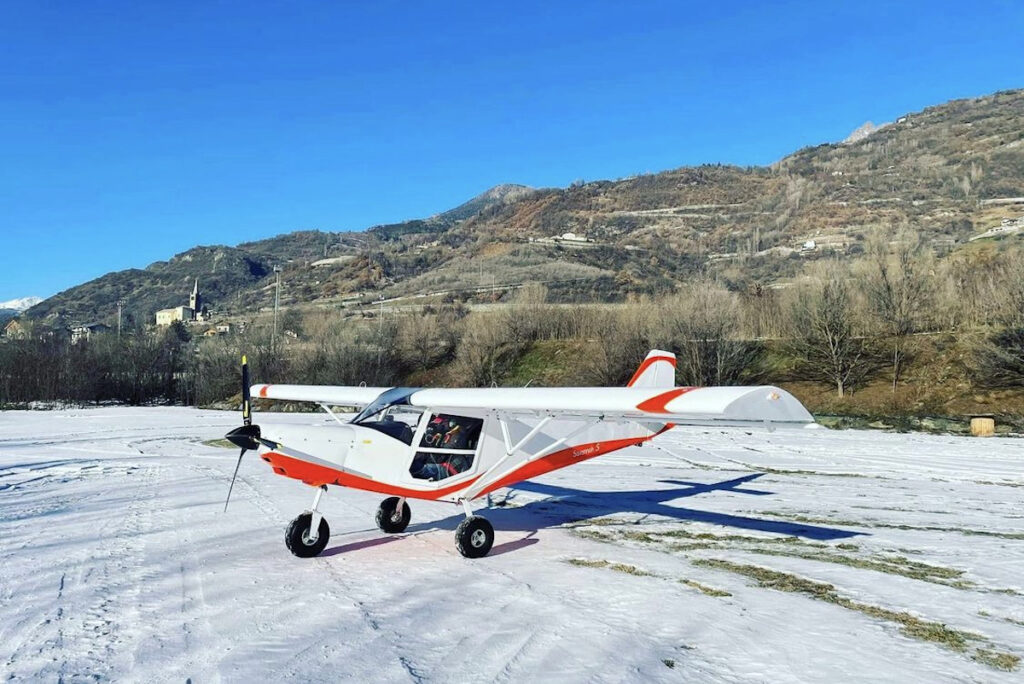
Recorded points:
(484, 481)
(331, 413)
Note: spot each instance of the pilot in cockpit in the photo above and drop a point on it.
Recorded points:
(445, 432)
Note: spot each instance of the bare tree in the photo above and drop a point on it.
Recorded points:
(620, 346)
(525, 318)
(823, 334)
(898, 284)
(484, 352)
(998, 358)
(703, 323)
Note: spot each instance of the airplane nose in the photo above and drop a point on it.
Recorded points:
(245, 437)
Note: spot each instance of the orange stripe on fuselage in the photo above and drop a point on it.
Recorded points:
(647, 364)
(316, 475)
(263, 390)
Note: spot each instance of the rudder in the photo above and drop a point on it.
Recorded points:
(657, 370)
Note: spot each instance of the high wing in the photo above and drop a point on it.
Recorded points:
(680, 405)
(332, 395)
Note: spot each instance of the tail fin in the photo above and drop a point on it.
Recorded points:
(657, 370)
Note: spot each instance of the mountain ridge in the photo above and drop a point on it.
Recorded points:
(936, 171)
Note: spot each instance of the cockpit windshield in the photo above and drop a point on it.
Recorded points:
(380, 414)
(396, 396)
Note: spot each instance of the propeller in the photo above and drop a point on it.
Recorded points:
(247, 436)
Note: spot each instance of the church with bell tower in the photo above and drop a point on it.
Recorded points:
(195, 300)
(195, 311)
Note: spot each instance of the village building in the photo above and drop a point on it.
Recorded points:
(14, 330)
(85, 332)
(195, 311)
(177, 313)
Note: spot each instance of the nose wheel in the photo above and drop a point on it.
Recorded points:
(301, 541)
(308, 534)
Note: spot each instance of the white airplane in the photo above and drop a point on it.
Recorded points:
(458, 445)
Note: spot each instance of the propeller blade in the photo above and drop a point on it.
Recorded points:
(240, 455)
(246, 399)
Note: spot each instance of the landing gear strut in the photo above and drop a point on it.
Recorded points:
(307, 535)
(474, 536)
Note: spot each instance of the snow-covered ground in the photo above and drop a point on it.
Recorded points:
(687, 559)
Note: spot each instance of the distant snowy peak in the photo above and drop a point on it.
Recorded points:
(863, 131)
(21, 304)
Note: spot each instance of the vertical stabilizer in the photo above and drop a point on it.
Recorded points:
(657, 370)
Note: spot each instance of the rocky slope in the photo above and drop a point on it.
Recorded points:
(949, 172)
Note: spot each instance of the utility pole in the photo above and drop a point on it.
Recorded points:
(277, 304)
(120, 304)
(380, 333)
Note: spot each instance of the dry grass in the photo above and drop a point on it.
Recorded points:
(910, 625)
(618, 567)
(219, 443)
(997, 659)
(705, 589)
(792, 547)
(812, 520)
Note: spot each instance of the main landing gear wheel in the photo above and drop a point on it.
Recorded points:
(297, 538)
(474, 537)
(391, 518)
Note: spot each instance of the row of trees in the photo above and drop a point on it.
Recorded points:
(840, 323)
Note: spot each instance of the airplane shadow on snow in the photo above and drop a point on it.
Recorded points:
(567, 505)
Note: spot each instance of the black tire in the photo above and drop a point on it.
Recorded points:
(390, 519)
(296, 538)
(474, 537)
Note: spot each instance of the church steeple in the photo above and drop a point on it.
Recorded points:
(195, 300)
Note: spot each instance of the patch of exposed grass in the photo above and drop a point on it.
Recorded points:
(910, 625)
(892, 526)
(997, 659)
(792, 547)
(1012, 621)
(219, 443)
(596, 535)
(708, 536)
(588, 563)
(630, 570)
(784, 471)
(999, 484)
(599, 522)
(618, 567)
(705, 589)
(812, 520)
(892, 565)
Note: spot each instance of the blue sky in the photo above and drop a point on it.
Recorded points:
(132, 131)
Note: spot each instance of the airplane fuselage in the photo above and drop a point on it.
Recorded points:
(364, 457)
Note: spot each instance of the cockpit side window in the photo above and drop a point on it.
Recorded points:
(447, 448)
(452, 432)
